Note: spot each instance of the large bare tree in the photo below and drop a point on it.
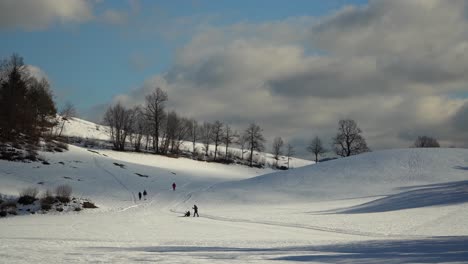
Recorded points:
(194, 134)
(155, 105)
(68, 111)
(316, 147)
(243, 144)
(217, 135)
(119, 119)
(138, 128)
(177, 129)
(290, 152)
(277, 148)
(228, 138)
(206, 132)
(349, 141)
(254, 138)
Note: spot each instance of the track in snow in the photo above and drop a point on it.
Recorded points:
(98, 165)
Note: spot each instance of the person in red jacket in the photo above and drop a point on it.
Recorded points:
(173, 186)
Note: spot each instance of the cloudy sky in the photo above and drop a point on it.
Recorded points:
(397, 67)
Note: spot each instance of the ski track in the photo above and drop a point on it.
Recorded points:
(132, 195)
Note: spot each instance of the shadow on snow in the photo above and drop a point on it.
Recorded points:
(428, 250)
(416, 197)
(431, 250)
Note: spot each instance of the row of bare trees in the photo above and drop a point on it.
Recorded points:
(348, 141)
(165, 131)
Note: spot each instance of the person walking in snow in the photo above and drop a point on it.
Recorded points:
(173, 186)
(139, 195)
(144, 194)
(195, 210)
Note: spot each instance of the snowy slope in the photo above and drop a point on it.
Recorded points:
(396, 206)
(76, 127)
(369, 174)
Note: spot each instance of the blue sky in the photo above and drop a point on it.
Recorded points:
(89, 63)
(397, 67)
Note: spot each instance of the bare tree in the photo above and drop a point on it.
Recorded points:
(255, 140)
(139, 126)
(119, 119)
(290, 152)
(277, 148)
(348, 141)
(316, 147)
(194, 134)
(243, 144)
(229, 137)
(68, 111)
(182, 132)
(206, 132)
(426, 142)
(155, 104)
(217, 135)
(177, 129)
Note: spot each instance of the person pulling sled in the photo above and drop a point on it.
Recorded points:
(195, 210)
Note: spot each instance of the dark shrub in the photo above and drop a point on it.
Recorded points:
(77, 209)
(62, 146)
(63, 191)
(7, 205)
(25, 200)
(3, 213)
(64, 200)
(13, 212)
(89, 205)
(46, 207)
(32, 155)
(60, 209)
(47, 198)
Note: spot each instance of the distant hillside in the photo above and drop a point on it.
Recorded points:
(369, 174)
(75, 127)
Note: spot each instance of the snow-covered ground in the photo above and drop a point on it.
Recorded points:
(394, 206)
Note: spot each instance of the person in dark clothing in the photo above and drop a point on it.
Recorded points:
(187, 214)
(139, 195)
(195, 210)
(173, 186)
(144, 194)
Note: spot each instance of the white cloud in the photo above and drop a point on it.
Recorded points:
(391, 66)
(37, 72)
(38, 15)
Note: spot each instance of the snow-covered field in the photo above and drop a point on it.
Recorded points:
(394, 206)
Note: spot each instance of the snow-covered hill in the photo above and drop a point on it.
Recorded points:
(76, 127)
(395, 206)
(89, 131)
(369, 174)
